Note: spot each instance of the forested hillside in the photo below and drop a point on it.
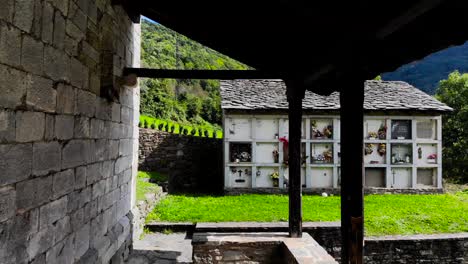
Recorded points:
(426, 73)
(185, 101)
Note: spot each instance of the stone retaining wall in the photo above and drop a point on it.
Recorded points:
(437, 248)
(142, 209)
(193, 163)
(67, 130)
(440, 248)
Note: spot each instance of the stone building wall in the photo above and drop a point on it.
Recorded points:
(192, 163)
(68, 135)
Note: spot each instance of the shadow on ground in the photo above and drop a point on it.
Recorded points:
(162, 249)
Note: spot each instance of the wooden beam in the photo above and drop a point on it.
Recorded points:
(352, 171)
(295, 94)
(129, 7)
(201, 74)
(411, 14)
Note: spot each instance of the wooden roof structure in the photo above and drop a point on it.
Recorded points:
(322, 46)
(318, 41)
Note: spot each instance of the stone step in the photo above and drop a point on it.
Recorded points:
(173, 226)
(223, 227)
(259, 226)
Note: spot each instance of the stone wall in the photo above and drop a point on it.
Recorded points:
(142, 209)
(251, 247)
(193, 163)
(68, 134)
(438, 248)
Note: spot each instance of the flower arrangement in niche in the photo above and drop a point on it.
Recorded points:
(432, 158)
(382, 149)
(372, 135)
(285, 142)
(328, 156)
(382, 132)
(328, 131)
(274, 175)
(275, 178)
(369, 149)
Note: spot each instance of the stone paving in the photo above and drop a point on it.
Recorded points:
(162, 249)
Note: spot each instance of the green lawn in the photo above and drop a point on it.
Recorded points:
(384, 214)
(143, 186)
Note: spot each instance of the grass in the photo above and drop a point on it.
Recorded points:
(144, 233)
(155, 176)
(143, 186)
(155, 123)
(384, 214)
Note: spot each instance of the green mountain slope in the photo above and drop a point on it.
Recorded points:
(425, 74)
(185, 101)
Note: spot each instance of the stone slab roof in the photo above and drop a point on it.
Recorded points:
(379, 96)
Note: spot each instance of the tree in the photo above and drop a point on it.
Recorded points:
(194, 107)
(187, 100)
(454, 93)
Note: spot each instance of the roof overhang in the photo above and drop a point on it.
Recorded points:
(321, 43)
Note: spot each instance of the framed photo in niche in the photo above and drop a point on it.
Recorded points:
(401, 129)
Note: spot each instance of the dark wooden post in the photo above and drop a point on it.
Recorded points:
(295, 94)
(352, 171)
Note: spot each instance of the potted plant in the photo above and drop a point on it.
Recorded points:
(275, 178)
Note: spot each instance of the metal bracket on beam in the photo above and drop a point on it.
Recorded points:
(201, 74)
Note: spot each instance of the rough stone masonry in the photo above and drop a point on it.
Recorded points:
(68, 150)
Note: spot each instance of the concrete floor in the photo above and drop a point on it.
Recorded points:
(162, 249)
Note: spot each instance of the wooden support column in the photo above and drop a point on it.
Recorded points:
(295, 94)
(352, 171)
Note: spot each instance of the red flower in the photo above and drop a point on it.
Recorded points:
(284, 140)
